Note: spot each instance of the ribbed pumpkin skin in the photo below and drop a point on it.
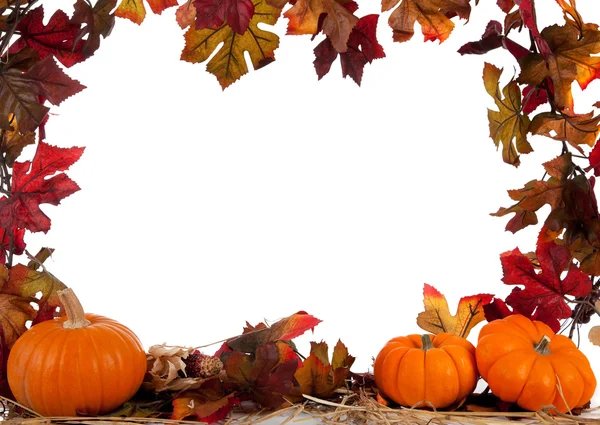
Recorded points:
(443, 375)
(92, 370)
(516, 373)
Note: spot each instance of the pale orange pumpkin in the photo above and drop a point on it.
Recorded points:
(81, 363)
(524, 362)
(426, 370)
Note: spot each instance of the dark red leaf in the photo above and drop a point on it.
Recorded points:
(36, 183)
(58, 37)
(505, 5)
(514, 48)
(595, 159)
(94, 22)
(490, 40)
(12, 240)
(213, 13)
(526, 8)
(532, 98)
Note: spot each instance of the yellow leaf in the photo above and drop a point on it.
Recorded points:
(437, 318)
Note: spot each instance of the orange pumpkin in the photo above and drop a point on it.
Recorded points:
(424, 369)
(524, 362)
(81, 363)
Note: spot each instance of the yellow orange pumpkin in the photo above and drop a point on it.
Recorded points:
(524, 362)
(81, 363)
(426, 370)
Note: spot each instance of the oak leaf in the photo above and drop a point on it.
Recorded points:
(508, 125)
(434, 17)
(363, 48)
(58, 37)
(437, 317)
(135, 11)
(576, 130)
(229, 63)
(338, 24)
(96, 22)
(320, 378)
(214, 13)
(544, 292)
(37, 182)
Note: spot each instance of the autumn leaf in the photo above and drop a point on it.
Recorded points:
(594, 160)
(203, 410)
(490, 40)
(229, 63)
(576, 130)
(167, 370)
(508, 125)
(16, 312)
(363, 48)
(12, 142)
(574, 58)
(26, 283)
(532, 98)
(96, 21)
(185, 15)
(527, 12)
(320, 378)
(337, 25)
(263, 374)
(437, 318)
(37, 182)
(135, 11)
(11, 240)
(285, 329)
(544, 292)
(214, 13)
(19, 90)
(432, 15)
(58, 37)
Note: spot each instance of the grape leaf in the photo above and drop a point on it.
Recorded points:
(214, 13)
(574, 58)
(263, 374)
(437, 318)
(576, 130)
(284, 329)
(337, 25)
(229, 63)
(19, 90)
(508, 123)
(363, 48)
(97, 21)
(35, 183)
(58, 37)
(318, 377)
(135, 11)
(432, 15)
(544, 292)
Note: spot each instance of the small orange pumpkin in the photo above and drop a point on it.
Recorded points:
(524, 362)
(81, 363)
(424, 369)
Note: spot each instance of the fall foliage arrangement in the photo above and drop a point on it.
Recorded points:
(67, 362)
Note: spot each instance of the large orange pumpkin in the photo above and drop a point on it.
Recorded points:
(79, 363)
(424, 369)
(524, 362)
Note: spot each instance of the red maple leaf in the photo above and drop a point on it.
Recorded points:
(58, 37)
(363, 48)
(34, 183)
(544, 293)
(213, 13)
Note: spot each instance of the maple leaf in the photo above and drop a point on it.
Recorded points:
(26, 283)
(571, 14)
(432, 15)
(263, 374)
(97, 22)
(318, 377)
(214, 13)
(508, 124)
(337, 25)
(229, 63)
(544, 292)
(285, 329)
(572, 59)
(135, 11)
(58, 37)
(437, 318)
(576, 130)
(36, 183)
(19, 91)
(363, 48)
(498, 309)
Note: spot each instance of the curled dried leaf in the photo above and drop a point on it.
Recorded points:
(166, 369)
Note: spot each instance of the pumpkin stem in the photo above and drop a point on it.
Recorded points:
(542, 346)
(75, 314)
(426, 341)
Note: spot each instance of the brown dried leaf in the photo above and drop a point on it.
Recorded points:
(594, 335)
(164, 364)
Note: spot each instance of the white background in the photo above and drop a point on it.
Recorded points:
(201, 209)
